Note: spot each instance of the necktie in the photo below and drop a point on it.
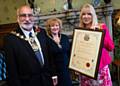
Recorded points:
(36, 49)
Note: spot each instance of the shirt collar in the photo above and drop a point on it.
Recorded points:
(26, 33)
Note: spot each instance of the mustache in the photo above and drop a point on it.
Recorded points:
(28, 22)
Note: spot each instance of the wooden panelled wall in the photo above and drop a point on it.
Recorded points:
(4, 29)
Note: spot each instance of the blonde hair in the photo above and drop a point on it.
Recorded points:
(51, 22)
(93, 13)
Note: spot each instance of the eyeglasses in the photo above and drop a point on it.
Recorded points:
(26, 15)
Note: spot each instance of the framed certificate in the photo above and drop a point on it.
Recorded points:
(86, 51)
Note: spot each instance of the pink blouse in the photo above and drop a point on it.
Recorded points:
(107, 47)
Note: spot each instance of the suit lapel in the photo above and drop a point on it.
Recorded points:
(26, 44)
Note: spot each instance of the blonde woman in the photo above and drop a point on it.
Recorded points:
(59, 49)
(88, 19)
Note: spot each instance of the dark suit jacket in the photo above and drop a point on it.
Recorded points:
(60, 58)
(22, 65)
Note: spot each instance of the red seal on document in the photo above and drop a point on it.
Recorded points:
(87, 64)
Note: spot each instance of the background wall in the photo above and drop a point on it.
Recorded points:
(8, 10)
(49, 5)
(116, 4)
(8, 7)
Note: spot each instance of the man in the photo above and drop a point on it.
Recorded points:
(23, 66)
